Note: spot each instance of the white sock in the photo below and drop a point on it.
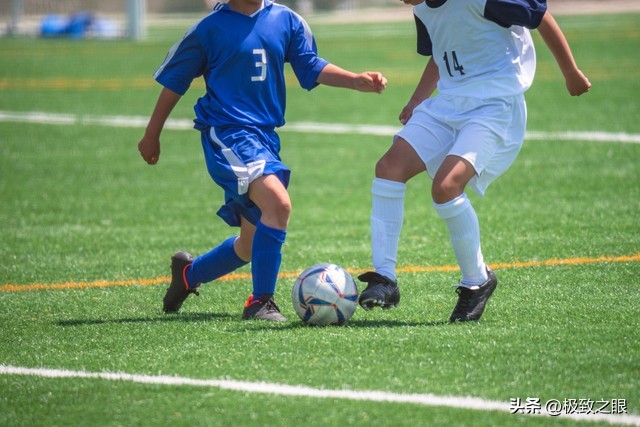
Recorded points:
(464, 230)
(387, 214)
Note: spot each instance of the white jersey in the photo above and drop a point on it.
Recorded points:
(483, 48)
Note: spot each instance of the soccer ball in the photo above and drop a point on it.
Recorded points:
(325, 294)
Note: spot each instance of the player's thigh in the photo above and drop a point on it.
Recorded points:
(451, 178)
(400, 163)
(236, 156)
(477, 142)
(429, 135)
(492, 141)
(271, 196)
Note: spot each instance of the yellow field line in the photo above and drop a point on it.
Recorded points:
(246, 276)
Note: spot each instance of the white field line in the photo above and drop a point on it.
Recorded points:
(459, 402)
(303, 127)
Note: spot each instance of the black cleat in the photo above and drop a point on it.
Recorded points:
(178, 290)
(255, 308)
(380, 291)
(471, 302)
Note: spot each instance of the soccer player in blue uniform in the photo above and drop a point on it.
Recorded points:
(240, 50)
(482, 60)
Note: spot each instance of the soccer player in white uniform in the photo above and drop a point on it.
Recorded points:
(482, 60)
(240, 50)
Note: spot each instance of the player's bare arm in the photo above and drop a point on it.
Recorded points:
(426, 87)
(577, 83)
(149, 145)
(369, 81)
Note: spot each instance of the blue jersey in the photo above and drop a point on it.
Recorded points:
(241, 59)
(482, 48)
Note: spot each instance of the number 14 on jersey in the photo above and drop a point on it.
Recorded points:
(456, 65)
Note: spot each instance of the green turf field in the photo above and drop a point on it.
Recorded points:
(87, 230)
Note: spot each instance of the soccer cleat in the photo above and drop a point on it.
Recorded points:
(471, 302)
(178, 290)
(380, 291)
(255, 308)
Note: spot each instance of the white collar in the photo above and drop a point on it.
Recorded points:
(257, 11)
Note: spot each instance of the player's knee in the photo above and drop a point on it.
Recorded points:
(386, 168)
(283, 209)
(443, 191)
(277, 214)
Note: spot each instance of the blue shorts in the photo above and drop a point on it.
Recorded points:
(235, 157)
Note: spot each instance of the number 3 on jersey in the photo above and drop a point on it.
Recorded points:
(456, 64)
(261, 65)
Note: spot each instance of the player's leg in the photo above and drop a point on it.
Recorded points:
(489, 136)
(399, 164)
(188, 273)
(421, 145)
(225, 168)
(453, 206)
(271, 196)
(230, 255)
(486, 146)
(244, 242)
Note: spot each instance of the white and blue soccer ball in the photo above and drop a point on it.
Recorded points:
(325, 294)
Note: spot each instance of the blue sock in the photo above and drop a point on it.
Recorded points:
(214, 264)
(266, 256)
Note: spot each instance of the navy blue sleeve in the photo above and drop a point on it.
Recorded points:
(523, 13)
(424, 40)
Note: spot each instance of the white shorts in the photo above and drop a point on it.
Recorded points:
(486, 132)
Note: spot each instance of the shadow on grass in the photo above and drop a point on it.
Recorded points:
(181, 317)
(252, 325)
(391, 323)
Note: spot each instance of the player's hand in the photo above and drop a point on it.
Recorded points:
(407, 111)
(370, 81)
(577, 83)
(149, 149)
